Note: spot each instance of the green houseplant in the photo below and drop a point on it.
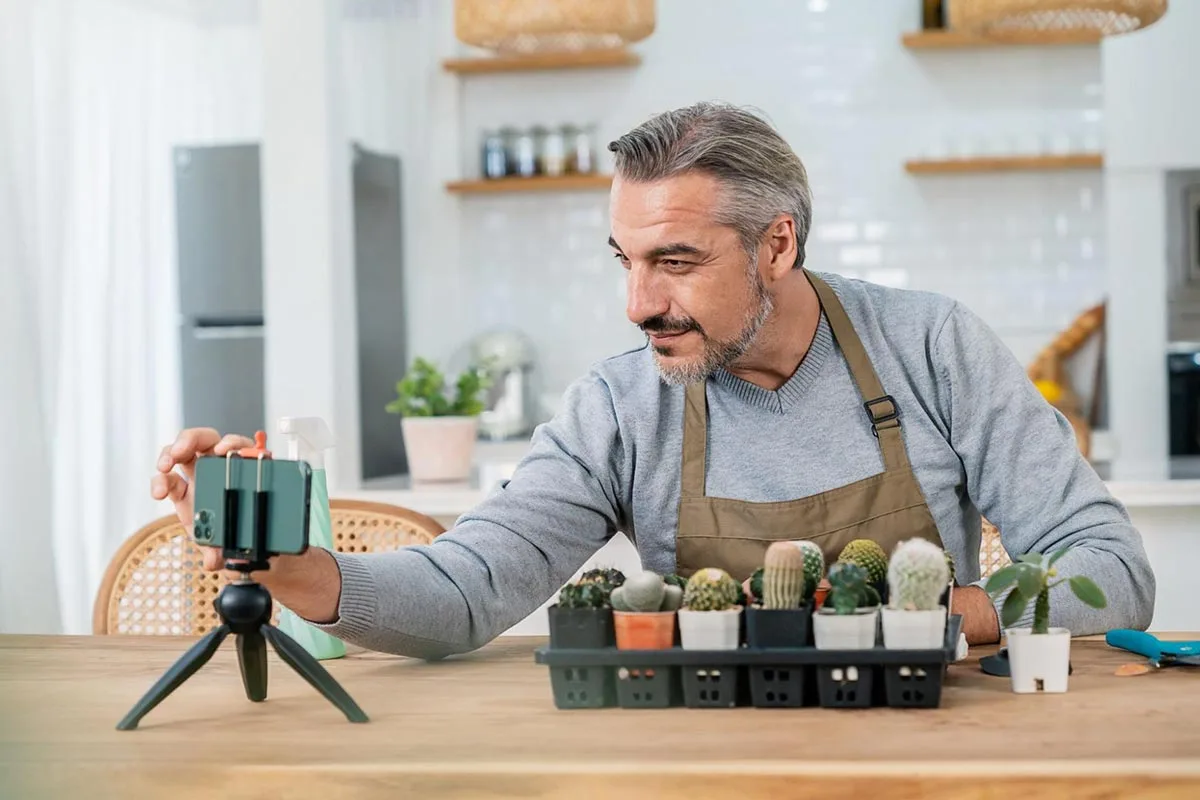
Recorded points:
(1039, 657)
(915, 618)
(644, 612)
(439, 427)
(710, 618)
(849, 617)
(783, 589)
(583, 615)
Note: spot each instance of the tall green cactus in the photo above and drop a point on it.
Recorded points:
(917, 576)
(814, 567)
(783, 576)
(710, 589)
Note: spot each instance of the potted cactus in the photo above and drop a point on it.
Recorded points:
(582, 617)
(710, 618)
(871, 557)
(644, 612)
(914, 618)
(1039, 657)
(848, 620)
(783, 592)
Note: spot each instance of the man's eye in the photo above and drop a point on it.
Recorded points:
(621, 257)
(670, 262)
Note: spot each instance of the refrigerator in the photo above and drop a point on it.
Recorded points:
(218, 220)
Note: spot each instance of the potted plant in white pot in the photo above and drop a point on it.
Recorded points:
(918, 576)
(710, 618)
(439, 431)
(1039, 657)
(849, 618)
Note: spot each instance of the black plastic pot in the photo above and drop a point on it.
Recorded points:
(581, 628)
(712, 686)
(914, 686)
(778, 687)
(648, 687)
(582, 687)
(847, 686)
(779, 627)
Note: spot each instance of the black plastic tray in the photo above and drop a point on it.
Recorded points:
(761, 677)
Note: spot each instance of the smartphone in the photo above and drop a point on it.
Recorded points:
(287, 485)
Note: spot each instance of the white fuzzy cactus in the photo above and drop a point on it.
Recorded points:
(917, 576)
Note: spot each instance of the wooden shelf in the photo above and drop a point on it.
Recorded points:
(1006, 164)
(541, 183)
(948, 39)
(587, 59)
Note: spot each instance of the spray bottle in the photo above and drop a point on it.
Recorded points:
(308, 438)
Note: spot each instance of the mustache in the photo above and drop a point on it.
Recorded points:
(667, 325)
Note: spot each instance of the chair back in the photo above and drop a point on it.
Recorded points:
(156, 585)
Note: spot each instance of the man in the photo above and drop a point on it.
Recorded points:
(769, 403)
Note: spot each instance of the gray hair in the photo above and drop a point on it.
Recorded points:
(762, 175)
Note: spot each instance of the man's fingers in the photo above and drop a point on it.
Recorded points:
(231, 441)
(171, 485)
(212, 558)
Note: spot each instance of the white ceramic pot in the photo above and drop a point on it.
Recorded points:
(1038, 662)
(914, 630)
(710, 630)
(439, 448)
(855, 631)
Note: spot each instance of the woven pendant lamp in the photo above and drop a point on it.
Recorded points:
(999, 19)
(539, 26)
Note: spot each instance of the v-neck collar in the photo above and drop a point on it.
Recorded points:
(789, 394)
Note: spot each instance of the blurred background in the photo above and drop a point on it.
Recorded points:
(222, 212)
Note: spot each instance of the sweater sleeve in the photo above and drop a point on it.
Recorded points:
(507, 556)
(1025, 473)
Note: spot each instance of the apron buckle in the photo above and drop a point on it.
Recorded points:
(877, 418)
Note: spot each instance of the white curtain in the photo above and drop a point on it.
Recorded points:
(93, 95)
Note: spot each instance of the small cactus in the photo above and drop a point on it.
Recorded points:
(917, 576)
(783, 576)
(646, 592)
(814, 567)
(711, 589)
(849, 588)
(756, 585)
(612, 577)
(949, 564)
(584, 595)
(870, 556)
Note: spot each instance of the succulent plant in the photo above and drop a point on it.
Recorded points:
(584, 595)
(711, 589)
(1030, 578)
(870, 556)
(917, 575)
(611, 576)
(756, 585)
(783, 576)
(814, 567)
(849, 588)
(646, 592)
(676, 580)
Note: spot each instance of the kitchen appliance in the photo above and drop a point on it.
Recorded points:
(1183, 391)
(218, 218)
(510, 406)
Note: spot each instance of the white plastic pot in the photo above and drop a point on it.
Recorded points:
(855, 631)
(439, 448)
(1038, 662)
(914, 630)
(710, 630)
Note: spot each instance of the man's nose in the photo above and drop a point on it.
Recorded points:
(644, 296)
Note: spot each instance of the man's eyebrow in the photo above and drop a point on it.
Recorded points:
(672, 249)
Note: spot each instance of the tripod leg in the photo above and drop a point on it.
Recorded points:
(252, 658)
(195, 658)
(311, 670)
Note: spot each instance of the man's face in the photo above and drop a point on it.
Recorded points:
(692, 287)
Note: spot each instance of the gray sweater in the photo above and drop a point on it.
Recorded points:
(979, 435)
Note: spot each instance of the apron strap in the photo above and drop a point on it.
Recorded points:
(695, 439)
(881, 408)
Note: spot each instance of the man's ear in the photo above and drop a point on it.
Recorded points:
(781, 249)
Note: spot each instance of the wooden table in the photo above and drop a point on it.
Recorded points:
(485, 725)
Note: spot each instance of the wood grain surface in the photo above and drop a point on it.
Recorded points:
(484, 725)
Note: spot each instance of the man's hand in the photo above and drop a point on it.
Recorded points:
(980, 623)
(309, 584)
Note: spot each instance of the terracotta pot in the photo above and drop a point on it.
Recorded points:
(819, 596)
(644, 630)
(439, 448)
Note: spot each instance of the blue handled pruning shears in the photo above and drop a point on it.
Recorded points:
(1160, 653)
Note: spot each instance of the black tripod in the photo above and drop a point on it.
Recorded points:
(245, 610)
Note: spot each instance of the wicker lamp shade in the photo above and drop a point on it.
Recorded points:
(998, 19)
(538, 26)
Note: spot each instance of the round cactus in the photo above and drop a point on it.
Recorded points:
(643, 592)
(870, 556)
(783, 576)
(917, 576)
(672, 598)
(711, 589)
(814, 566)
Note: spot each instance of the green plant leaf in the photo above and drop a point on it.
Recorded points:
(1087, 591)
(1031, 558)
(1056, 557)
(1001, 579)
(1030, 579)
(1013, 608)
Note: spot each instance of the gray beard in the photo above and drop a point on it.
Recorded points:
(719, 354)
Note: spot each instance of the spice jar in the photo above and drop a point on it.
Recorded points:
(495, 155)
(580, 157)
(554, 152)
(524, 153)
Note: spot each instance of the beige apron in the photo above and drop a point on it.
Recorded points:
(734, 534)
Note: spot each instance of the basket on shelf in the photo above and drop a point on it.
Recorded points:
(540, 26)
(1000, 19)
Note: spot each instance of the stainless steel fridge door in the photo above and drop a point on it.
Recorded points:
(218, 219)
(222, 370)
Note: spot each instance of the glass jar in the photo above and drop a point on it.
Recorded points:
(495, 155)
(580, 155)
(554, 152)
(525, 154)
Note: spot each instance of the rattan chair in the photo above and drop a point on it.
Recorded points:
(156, 583)
(992, 555)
